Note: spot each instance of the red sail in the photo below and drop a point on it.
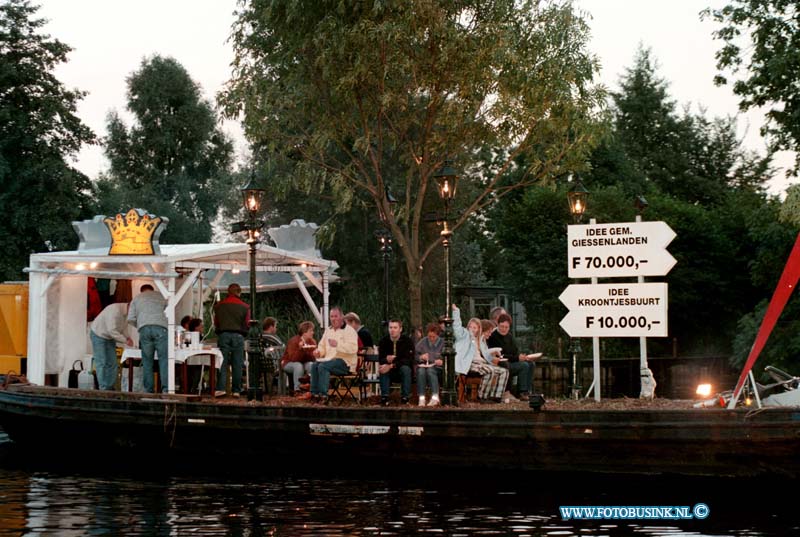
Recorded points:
(787, 283)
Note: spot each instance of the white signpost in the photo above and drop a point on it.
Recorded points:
(616, 310)
(619, 250)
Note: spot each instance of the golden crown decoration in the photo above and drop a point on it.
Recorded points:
(135, 233)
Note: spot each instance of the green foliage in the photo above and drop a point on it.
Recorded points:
(40, 193)
(352, 97)
(783, 346)
(790, 210)
(686, 156)
(173, 161)
(728, 258)
(531, 234)
(731, 245)
(760, 43)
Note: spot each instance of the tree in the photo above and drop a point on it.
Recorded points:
(684, 155)
(769, 66)
(174, 160)
(354, 97)
(40, 192)
(730, 244)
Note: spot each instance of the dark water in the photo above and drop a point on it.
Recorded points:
(95, 497)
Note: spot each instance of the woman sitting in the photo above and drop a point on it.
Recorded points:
(429, 364)
(298, 356)
(472, 354)
(196, 325)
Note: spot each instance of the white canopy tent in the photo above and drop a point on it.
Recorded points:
(57, 327)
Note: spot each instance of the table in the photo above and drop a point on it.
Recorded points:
(184, 357)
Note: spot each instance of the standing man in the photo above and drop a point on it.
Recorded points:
(231, 322)
(396, 356)
(109, 328)
(147, 315)
(336, 354)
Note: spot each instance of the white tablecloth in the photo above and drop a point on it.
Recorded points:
(190, 356)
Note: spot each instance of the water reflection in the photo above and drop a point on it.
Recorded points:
(85, 499)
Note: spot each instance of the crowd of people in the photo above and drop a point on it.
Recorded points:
(484, 348)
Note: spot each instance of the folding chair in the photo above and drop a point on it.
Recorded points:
(342, 387)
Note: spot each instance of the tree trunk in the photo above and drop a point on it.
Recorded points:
(414, 293)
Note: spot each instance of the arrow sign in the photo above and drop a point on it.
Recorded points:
(615, 310)
(619, 250)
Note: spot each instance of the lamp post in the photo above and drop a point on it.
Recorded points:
(384, 237)
(647, 382)
(252, 197)
(575, 351)
(577, 197)
(447, 180)
(385, 243)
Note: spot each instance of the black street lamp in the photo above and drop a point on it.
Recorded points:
(385, 243)
(447, 180)
(252, 196)
(384, 237)
(577, 197)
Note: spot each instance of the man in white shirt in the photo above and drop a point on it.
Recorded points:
(335, 353)
(108, 329)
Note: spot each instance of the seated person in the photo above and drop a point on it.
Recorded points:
(364, 336)
(269, 332)
(335, 354)
(429, 351)
(519, 364)
(472, 354)
(396, 359)
(272, 345)
(298, 357)
(196, 325)
(495, 356)
(184, 326)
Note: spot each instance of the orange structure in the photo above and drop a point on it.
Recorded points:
(13, 327)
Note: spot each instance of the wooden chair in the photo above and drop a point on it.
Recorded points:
(470, 382)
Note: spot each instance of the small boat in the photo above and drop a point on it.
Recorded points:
(685, 441)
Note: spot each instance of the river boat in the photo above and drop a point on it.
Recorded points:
(649, 437)
(663, 438)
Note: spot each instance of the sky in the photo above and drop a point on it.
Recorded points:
(110, 38)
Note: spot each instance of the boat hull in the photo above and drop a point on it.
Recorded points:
(715, 442)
